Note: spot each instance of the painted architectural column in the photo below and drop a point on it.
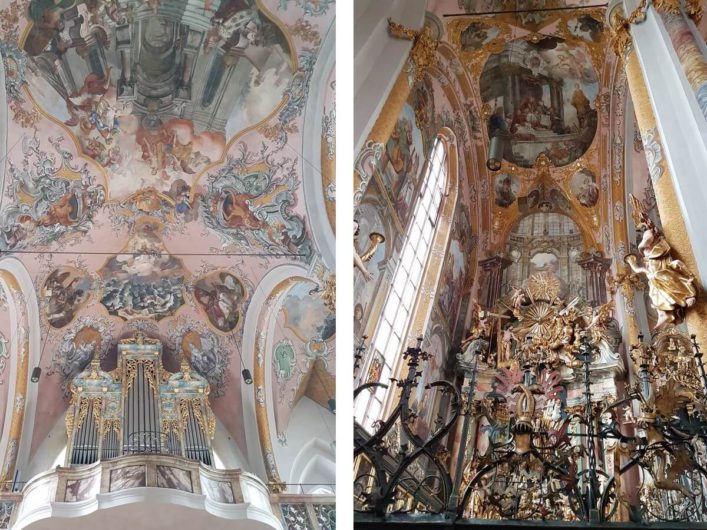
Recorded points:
(676, 157)
(187, 69)
(493, 268)
(190, 52)
(687, 48)
(595, 267)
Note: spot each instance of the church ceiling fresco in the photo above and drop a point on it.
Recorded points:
(150, 96)
(50, 196)
(144, 280)
(67, 290)
(219, 296)
(539, 82)
(584, 187)
(154, 176)
(540, 97)
(249, 201)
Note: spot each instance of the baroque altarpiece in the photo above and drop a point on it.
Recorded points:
(529, 289)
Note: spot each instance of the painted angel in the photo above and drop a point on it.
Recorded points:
(671, 286)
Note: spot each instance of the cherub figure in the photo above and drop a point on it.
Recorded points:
(518, 297)
(671, 286)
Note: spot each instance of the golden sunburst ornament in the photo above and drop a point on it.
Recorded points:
(539, 319)
(543, 286)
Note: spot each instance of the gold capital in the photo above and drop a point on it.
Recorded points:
(424, 46)
(692, 8)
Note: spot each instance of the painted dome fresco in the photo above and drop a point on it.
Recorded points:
(155, 94)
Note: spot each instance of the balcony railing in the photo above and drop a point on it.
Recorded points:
(78, 491)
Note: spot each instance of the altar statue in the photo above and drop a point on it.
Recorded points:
(671, 286)
(473, 346)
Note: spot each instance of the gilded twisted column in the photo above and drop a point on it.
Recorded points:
(661, 174)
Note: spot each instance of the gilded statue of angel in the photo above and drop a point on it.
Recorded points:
(480, 325)
(671, 286)
(600, 318)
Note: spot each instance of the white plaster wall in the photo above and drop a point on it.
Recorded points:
(50, 453)
(378, 58)
(227, 455)
(310, 450)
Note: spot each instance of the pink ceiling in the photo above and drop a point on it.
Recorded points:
(154, 175)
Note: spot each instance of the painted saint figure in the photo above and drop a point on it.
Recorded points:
(585, 188)
(505, 194)
(65, 293)
(221, 299)
(581, 104)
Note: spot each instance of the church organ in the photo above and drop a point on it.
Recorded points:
(139, 408)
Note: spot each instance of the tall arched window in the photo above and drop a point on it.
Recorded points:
(389, 338)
